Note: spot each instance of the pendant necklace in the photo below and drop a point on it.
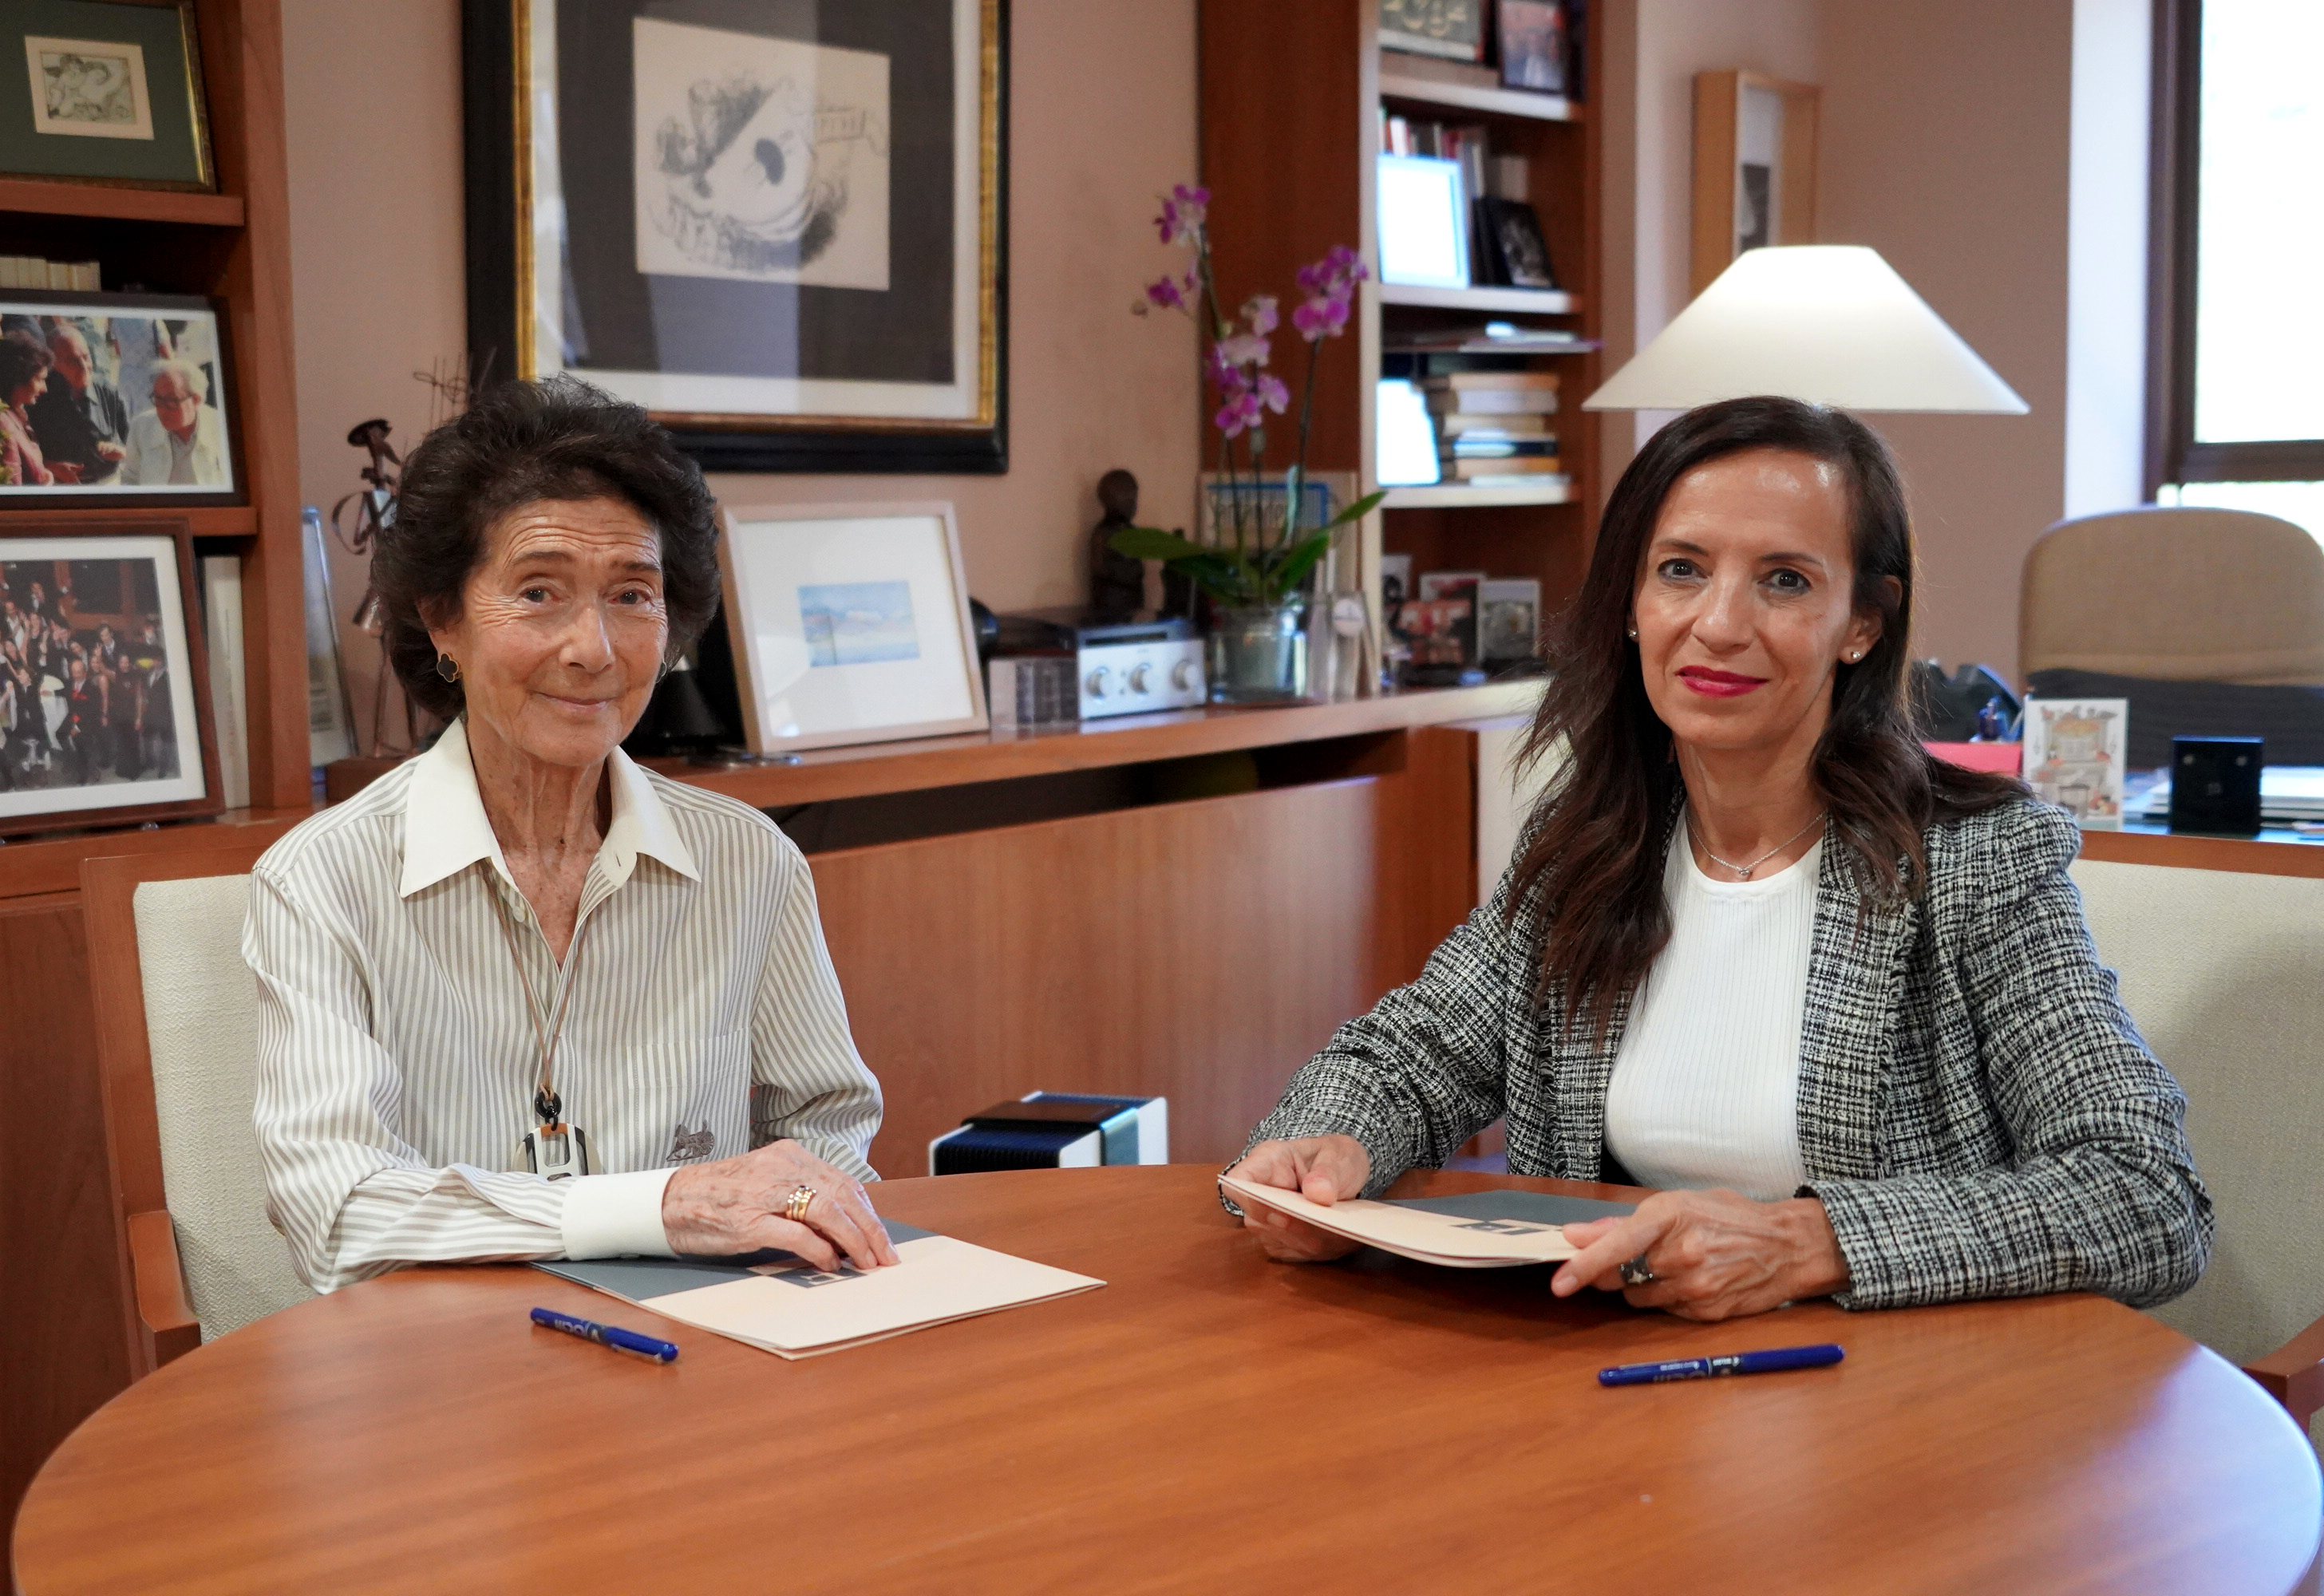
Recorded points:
(1743, 871)
(553, 1149)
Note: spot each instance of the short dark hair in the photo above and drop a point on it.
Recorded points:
(518, 444)
(23, 357)
(1594, 857)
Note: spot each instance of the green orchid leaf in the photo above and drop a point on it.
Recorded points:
(1154, 543)
(1355, 512)
(1301, 561)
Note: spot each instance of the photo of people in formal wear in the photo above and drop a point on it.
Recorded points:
(96, 709)
(103, 403)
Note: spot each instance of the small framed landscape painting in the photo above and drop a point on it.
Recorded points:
(103, 91)
(104, 694)
(849, 624)
(115, 399)
(778, 226)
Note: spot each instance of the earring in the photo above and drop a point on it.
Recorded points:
(1854, 655)
(447, 667)
(1632, 634)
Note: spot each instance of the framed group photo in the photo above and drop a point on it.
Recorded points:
(103, 688)
(849, 624)
(115, 399)
(779, 226)
(104, 91)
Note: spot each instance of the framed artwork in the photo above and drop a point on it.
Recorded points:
(2074, 756)
(1535, 42)
(1424, 222)
(1512, 234)
(1755, 156)
(109, 91)
(781, 228)
(115, 399)
(1453, 30)
(849, 624)
(105, 701)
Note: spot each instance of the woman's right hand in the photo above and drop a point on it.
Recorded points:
(1322, 1170)
(736, 1205)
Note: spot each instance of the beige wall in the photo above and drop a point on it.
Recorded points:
(1103, 109)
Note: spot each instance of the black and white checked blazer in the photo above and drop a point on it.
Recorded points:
(1976, 1111)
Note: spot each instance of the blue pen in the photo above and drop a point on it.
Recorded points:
(606, 1336)
(1771, 1362)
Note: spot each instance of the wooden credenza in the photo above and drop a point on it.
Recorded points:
(1185, 904)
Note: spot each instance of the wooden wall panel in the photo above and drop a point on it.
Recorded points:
(63, 1353)
(1201, 950)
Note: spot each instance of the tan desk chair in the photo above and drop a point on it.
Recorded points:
(2224, 973)
(177, 1022)
(2220, 595)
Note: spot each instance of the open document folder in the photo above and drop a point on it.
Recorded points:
(1489, 1230)
(789, 1308)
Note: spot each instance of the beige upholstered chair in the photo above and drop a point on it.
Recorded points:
(2224, 973)
(2222, 596)
(177, 1038)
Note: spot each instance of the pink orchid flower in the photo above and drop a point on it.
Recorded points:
(1272, 393)
(1244, 349)
(1164, 294)
(1259, 314)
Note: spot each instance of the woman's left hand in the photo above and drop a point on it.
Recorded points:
(1715, 1255)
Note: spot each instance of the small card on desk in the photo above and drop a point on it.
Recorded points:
(1489, 1230)
(792, 1309)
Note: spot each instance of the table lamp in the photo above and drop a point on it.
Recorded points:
(1830, 324)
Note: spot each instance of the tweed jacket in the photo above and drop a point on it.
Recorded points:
(1976, 1111)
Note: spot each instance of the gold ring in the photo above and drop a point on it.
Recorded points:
(794, 1209)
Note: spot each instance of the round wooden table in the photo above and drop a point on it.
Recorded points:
(1209, 1421)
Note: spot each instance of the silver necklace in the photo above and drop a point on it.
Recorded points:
(1743, 871)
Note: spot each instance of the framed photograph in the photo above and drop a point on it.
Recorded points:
(1512, 234)
(1452, 30)
(115, 398)
(1755, 155)
(2074, 756)
(1535, 46)
(849, 624)
(1508, 620)
(109, 91)
(103, 688)
(780, 227)
(1424, 222)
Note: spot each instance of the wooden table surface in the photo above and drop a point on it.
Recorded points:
(1208, 1422)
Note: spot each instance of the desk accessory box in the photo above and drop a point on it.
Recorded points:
(2215, 784)
(1056, 1131)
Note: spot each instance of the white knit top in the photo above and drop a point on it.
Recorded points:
(1706, 1083)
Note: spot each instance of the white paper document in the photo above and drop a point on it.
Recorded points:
(1463, 1239)
(794, 1310)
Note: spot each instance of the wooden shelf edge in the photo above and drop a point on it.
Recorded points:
(1460, 498)
(952, 761)
(207, 520)
(1397, 84)
(2280, 852)
(34, 197)
(32, 866)
(1539, 301)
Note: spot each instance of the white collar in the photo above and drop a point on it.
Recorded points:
(445, 829)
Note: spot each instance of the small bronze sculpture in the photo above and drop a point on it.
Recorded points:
(1117, 582)
(374, 507)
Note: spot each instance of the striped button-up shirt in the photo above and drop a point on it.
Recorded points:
(398, 1061)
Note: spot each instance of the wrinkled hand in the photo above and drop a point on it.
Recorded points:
(1321, 1168)
(736, 1205)
(65, 470)
(1718, 1255)
(111, 451)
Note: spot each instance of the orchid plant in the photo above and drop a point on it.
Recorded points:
(1261, 567)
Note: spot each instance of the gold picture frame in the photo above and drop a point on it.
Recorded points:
(143, 102)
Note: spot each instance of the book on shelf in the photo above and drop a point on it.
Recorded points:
(1483, 447)
(1518, 424)
(1525, 467)
(22, 271)
(1491, 381)
(1493, 402)
(229, 696)
(1510, 479)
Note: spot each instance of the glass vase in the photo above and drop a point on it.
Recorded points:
(1257, 655)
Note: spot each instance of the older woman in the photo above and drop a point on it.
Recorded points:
(1760, 950)
(516, 996)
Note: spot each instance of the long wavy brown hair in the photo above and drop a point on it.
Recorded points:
(1593, 860)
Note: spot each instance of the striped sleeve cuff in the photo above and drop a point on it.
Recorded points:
(616, 1215)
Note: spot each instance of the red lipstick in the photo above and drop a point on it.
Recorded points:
(1720, 683)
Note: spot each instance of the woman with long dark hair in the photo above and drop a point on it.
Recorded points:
(1833, 997)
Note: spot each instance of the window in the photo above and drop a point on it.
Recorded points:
(2237, 406)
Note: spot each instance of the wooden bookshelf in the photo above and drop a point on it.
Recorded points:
(61, 1252)
(1289, 156)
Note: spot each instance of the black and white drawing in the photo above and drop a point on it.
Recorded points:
(761, 157)
(88, 88)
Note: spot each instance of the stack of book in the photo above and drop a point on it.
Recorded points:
(1493, 427)
(33, 271)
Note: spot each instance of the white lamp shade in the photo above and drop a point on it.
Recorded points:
(1830, 324)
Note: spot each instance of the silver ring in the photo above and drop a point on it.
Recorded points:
(1634, 1272)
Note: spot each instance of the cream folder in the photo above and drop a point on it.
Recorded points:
(1471, 1237)
(794, 1310)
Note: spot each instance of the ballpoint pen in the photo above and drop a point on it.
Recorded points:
(1771, 1362)
(606, 1336)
